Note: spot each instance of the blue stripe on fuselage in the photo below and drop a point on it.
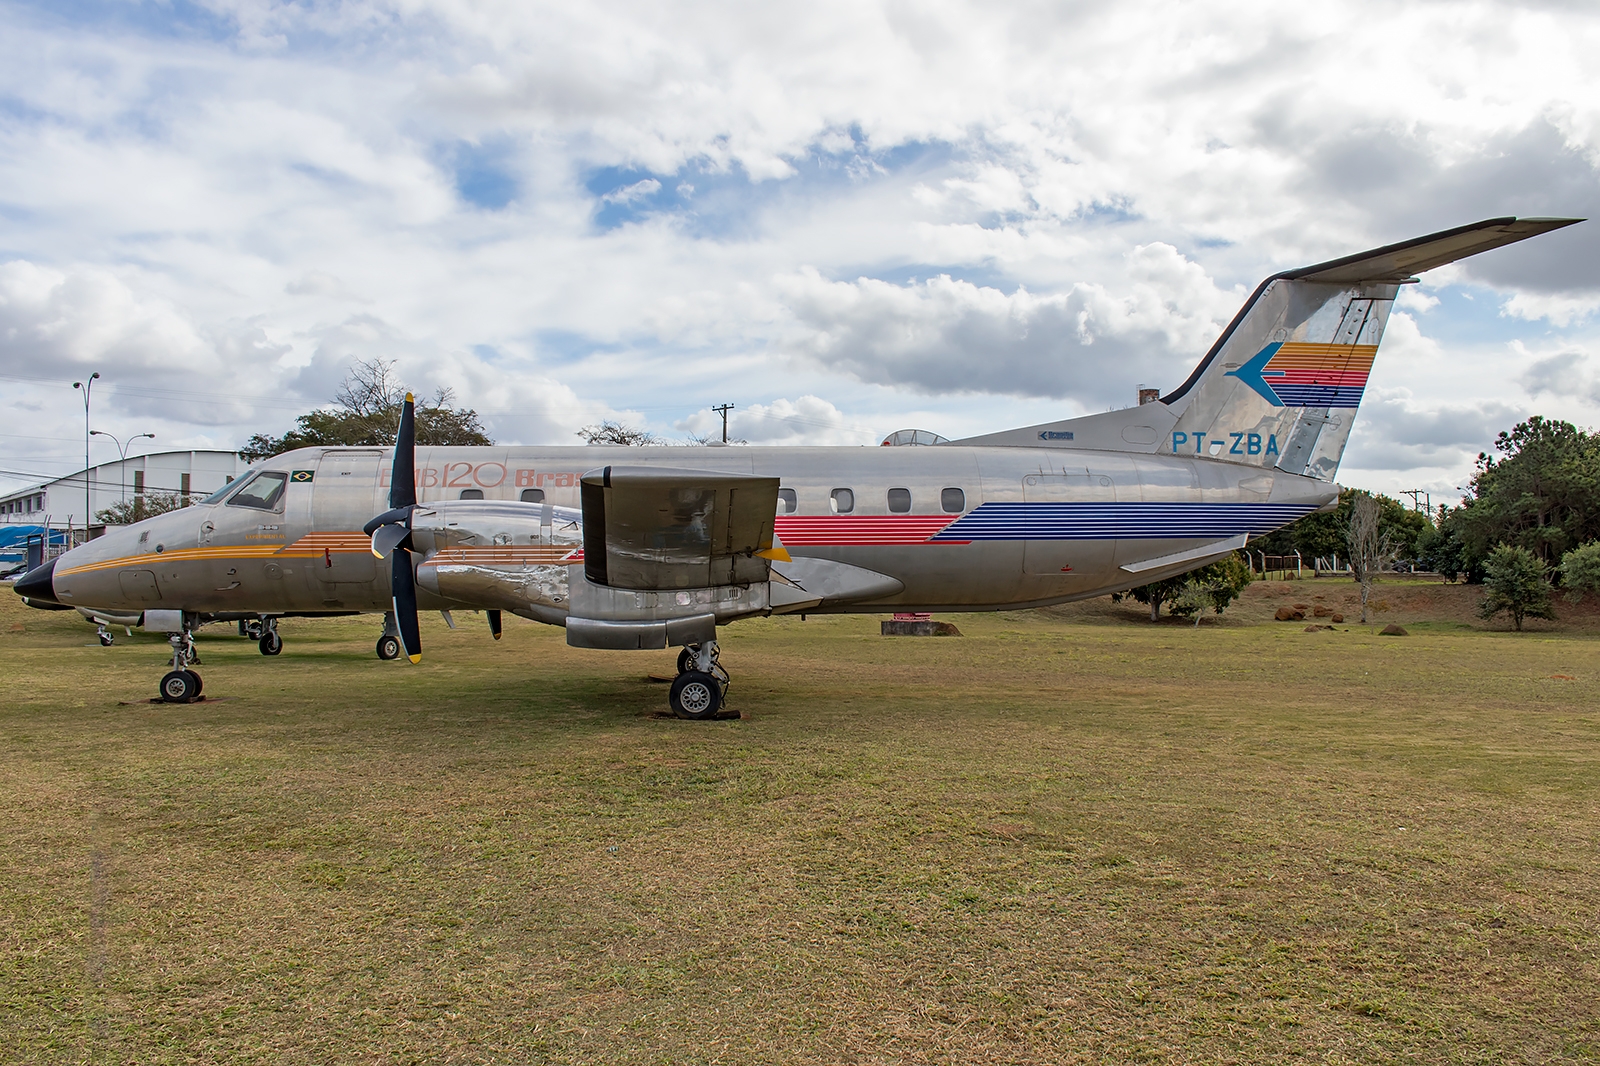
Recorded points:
(1119, 521)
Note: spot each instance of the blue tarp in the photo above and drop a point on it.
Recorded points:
(14, 540)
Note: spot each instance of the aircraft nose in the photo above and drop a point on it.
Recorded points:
(38, 584)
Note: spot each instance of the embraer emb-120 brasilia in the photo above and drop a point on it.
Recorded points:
(634, 548)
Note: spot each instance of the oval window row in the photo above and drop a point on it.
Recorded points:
(843, 501)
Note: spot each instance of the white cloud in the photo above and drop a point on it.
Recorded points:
(1082, 194)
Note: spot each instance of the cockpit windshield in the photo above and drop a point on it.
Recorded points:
(262, 490)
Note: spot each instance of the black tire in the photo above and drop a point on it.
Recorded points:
(388, 647)
(252, 630)
(199, 685)
(686, 661)
(271, 643)
(696, 696)
(105, 640)
(179, 686)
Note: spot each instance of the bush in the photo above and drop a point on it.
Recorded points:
(1580, 570)
(1517, 582)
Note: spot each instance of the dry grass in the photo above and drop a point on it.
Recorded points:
(1044, 842)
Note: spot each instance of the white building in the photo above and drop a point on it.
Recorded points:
(59, 503)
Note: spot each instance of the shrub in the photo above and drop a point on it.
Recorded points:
(1517, 582)
(1580, 570)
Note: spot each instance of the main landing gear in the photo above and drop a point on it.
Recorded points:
(264, 631)
(701, 685)
(181, 684)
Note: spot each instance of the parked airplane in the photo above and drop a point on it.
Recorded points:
(656, 547)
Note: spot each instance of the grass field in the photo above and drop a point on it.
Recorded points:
(1066, 837)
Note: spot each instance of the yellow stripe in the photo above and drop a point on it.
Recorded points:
(307, 547)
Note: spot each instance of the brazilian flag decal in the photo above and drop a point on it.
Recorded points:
(302, 475)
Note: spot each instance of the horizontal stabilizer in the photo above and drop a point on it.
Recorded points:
(1214, 550)
(1398, 262)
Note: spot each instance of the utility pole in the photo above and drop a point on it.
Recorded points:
(122, 455)
(723, 410)
(1417, 496)
(86, 386)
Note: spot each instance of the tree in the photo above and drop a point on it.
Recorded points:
(609, 432)
(1517, 583)
(1325, 535)
(367, 413)
(1580, 570)
(1542, 493)
(1216, 585)
(142, 506)
(1367, 544)
(1443, 549)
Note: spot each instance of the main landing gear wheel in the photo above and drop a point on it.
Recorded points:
(271, 643)
(388, 647)
(696, 696)
(251, 629)
(105, 638)
(686, 659)
(180, 686)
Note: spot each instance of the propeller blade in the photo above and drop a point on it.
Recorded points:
(403, 480)
(494, 623)
(386, 538)
(403, 583)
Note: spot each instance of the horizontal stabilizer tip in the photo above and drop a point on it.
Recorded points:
(1398, 262)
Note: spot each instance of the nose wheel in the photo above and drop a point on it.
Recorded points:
(389, 644)
(181, 684)
(701, 686)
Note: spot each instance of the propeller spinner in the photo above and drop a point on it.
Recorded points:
(391, 531)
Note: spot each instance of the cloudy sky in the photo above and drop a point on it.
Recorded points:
(844, 218)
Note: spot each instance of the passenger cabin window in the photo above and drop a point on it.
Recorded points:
(899, 501)
(843, 501)
(472, 494)
(264, 492)
(953, 500)
(533, 495)
(788, 502)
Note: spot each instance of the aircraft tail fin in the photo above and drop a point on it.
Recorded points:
(1281, 385)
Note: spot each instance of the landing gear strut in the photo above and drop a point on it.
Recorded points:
(701, 685)
(105, 636)
(181, 684)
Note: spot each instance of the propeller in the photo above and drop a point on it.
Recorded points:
(391, 531)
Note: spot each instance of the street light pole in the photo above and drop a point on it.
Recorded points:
(122, 455)
(86, 386)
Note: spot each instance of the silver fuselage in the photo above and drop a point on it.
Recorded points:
(1031, 526)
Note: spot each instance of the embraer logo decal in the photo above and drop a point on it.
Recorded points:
(1309, 375)
(1255, 373)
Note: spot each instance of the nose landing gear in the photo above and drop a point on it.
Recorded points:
(389, 642)
(701, 686)
(181, 684)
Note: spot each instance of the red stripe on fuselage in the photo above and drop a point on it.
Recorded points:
(852, 531)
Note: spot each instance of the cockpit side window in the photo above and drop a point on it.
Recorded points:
(264, 492)
(216, 497)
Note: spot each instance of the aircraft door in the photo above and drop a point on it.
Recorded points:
(344, 495)
(1074, 526)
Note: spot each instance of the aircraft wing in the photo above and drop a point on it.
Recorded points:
(652, 528)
